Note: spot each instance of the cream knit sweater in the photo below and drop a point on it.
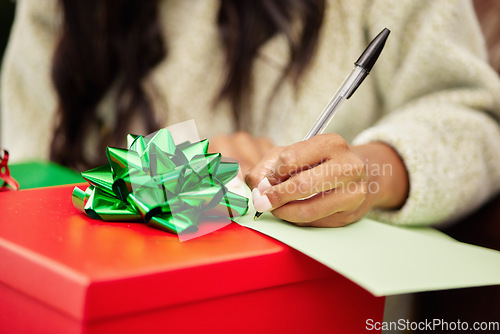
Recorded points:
(431, 95)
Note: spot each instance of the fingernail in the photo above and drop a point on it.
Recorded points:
(261, 203)
(264, 185)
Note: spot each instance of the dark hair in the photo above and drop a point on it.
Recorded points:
(487, 13)
(117, 42)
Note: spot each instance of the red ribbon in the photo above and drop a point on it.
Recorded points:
(5, 172)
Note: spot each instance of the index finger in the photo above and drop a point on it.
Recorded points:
(305, 155)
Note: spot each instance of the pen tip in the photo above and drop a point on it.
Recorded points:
(257, 215)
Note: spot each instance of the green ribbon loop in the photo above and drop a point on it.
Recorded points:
(169, 187)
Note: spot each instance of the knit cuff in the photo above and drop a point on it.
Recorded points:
(425, 204)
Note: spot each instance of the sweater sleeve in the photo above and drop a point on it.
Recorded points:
(28, 99)
(441, 104)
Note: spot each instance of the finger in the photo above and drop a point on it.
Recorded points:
(264, 144)
(319, 179)
(304, 155)
(219, 144)
(257, 173)
(228, 147)
(247, 148)
(339, 219)
(342, 218)
(322, 205)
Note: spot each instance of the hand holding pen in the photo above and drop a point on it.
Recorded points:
(304, 183)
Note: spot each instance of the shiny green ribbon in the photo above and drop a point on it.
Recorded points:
(169, 187)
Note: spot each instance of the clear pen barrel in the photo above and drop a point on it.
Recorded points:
(350, 83)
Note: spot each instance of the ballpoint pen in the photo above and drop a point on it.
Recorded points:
(361, 70)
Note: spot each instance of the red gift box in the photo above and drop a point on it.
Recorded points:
(63, 272)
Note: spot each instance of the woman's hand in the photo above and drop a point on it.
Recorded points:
(326, 183)
(241, 146)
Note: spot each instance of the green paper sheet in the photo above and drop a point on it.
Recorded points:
(385, 259)
(36, 174)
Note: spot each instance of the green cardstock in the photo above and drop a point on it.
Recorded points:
(385, 259)
(38, 173)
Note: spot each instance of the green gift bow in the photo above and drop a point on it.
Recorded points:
(169, 187)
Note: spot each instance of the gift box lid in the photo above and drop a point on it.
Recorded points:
(89, 269)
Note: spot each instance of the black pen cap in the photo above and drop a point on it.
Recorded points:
(371, 53)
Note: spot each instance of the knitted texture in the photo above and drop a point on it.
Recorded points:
(431, 95)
